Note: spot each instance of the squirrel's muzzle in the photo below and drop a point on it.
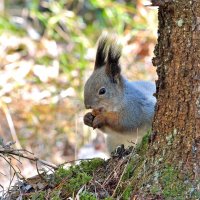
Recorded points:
(88, 102)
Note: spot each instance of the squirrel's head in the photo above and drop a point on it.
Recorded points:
(104, 87)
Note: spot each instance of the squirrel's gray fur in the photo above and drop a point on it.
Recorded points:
(133, 101)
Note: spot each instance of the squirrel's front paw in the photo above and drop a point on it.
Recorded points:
(99, 121)
(88, 119)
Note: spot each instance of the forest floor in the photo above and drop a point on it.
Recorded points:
(84, 179)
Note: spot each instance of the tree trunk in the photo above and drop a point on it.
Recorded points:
(177, 119)
(172, 164)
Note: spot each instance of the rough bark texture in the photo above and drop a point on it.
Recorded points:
(177, 119)
(174, 154)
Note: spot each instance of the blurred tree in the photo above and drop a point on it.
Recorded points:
(2, 7)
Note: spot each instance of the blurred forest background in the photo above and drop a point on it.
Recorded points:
(47, 51)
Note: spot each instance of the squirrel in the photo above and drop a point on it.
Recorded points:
(122, 109)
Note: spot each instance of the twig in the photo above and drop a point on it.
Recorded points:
(11, 167)
(40, 175)
(11, 124)
(2, 188)
(14, 158)
(111, 174)
(76, 135)
(2, 174)
(62, 33)
(100, 185)
(35, 159)
(8, 153)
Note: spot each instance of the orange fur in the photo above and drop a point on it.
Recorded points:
(96, 112)
(109, 119)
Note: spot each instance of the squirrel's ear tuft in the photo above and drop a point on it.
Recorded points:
(113, 68)
(101, 52)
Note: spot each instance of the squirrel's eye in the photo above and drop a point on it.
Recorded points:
(102, 91)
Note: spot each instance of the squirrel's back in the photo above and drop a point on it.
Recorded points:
(137, 104)
(147, 88)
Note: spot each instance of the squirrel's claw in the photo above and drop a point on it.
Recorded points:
(88, 119)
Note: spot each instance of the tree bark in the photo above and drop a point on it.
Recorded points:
(177, 118)
(173, 158)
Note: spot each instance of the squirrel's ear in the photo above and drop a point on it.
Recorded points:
(101, 52)
(113, 68)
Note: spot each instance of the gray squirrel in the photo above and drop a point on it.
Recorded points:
(121, 109)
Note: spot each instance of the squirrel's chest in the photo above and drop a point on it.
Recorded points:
(115, 139)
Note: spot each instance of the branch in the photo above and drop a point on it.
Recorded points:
(10, 124)
(10, 151)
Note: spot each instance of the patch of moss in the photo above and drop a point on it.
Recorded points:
(55, 195)
(90, 166)
(127, 192)
(135, 171)
(155, 189)
(142, 147)
(38, 196)
(73, 178)
(135, 161)
(67, 182)
(85, 167)
(129, 170)
(75, 183)
(172, 186)
(87, 196)
(131, 175)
